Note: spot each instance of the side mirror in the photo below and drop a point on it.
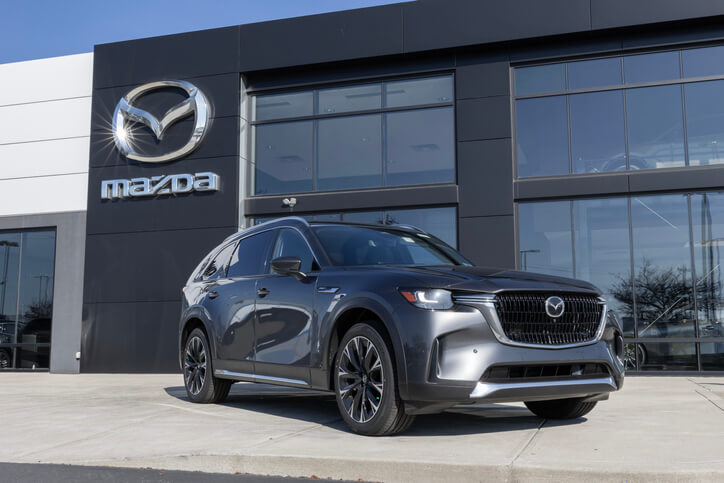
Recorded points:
(288, 266)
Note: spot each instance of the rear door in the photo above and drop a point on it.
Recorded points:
(285, 314)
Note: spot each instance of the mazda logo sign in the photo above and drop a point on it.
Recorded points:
(555, 307)
(196, 104)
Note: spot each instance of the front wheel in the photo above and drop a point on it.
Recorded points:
(366, 384)
(201, 385)
(560, 408)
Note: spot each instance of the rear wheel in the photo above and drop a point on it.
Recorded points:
(201, 385)
(366, 384)
(561, 408)
(4, 359)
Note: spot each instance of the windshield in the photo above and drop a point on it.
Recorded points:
(358, 245)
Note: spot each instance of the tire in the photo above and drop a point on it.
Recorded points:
(198, 371)
(357, 386)
(560, 408)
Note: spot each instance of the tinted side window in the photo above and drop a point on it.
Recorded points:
(251, 256)
(216, 268)
(291, 244)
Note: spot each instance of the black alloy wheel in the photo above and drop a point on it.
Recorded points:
(195, 365)
(365, 382)
(360, 379)
(201, 384)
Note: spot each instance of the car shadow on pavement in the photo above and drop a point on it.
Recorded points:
(321, 408)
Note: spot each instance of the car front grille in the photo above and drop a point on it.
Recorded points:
(523, 318)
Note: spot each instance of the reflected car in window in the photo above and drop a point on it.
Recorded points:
(394, 322)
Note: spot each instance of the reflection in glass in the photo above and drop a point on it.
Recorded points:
(667, 356)
(703, 62)
(651, 67)
(707, 216)
(545, 238)
(598, 138)
(440, 222)
(420, 147)
(283, 157)
(712, 356)
(662, 267)
(585, 74)
(705, 122)
(345, 99)
(655, 127)
(349, 152)
(540, 79)
(432, 90)
(542, 136)
(9, 266)
(603, 252)
(278, 106)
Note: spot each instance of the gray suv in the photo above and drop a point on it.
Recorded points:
(395, 322)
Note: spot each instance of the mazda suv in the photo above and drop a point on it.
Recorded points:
(393, 321)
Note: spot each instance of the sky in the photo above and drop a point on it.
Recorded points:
(34, 29)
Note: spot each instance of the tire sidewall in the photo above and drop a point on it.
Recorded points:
(389, 380)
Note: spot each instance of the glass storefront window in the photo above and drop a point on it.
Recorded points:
(651, 67)
(598, 139)
(432, 90)
(440, 221)
(655, 127)
(602, 252)
(546, 245)
(667, 356)
(712, 356)
(662, 266)
(705, 122)
(349, 152)
(27, 274)
(585, 74)
(542, 136)
(279, 106)
(703, 62)
(707, 216)
(540, 79)
(283, 157)
(420, 147)
(346, 99)
(570, 106)
(342, 143)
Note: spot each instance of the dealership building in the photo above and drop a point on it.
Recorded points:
(575, 138)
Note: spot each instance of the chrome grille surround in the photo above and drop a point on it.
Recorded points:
(537, 337)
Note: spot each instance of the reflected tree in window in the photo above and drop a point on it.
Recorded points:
(664, 306)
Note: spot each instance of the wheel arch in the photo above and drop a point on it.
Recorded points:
(194, 319)
(360, 311)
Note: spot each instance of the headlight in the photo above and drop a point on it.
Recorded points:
(431, 299)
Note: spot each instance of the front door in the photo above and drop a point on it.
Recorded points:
(285, 315)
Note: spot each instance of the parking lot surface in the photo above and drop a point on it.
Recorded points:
(656, 428)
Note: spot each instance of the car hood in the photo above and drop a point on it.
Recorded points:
(492, 280)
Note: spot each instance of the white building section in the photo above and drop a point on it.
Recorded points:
(45, 112)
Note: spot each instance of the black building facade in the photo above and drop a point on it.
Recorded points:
(571, 137)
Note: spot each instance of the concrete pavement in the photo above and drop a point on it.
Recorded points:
(656, 428)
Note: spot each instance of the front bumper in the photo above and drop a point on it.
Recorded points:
(448, 355)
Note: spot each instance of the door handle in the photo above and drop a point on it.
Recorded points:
(213, 294)
(262, 292)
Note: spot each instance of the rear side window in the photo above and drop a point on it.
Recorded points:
(291, 244)
(217, 267)
(250, 258)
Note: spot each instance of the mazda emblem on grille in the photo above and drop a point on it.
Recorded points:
(555, 307)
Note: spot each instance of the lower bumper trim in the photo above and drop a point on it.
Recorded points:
(519, 390)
